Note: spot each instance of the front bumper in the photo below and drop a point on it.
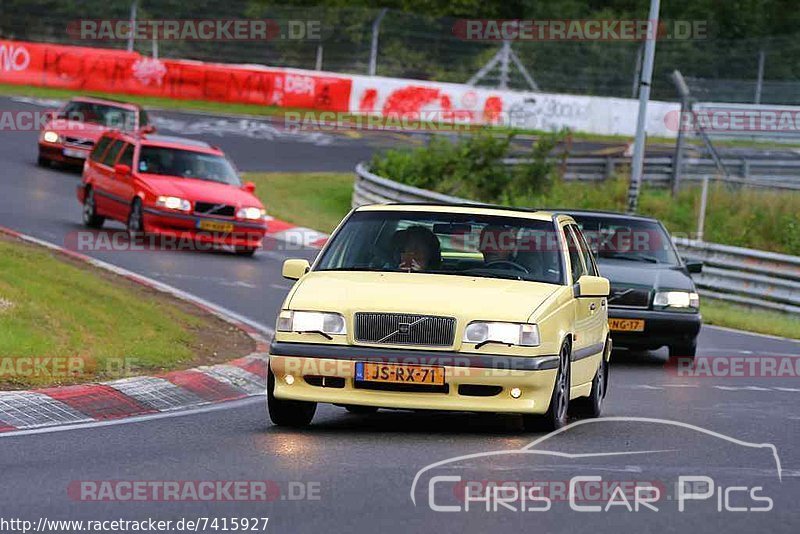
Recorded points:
(63, 154)
(660, 328)
(182, 226)
(307, 363)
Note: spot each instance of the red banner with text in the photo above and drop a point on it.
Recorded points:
(119, 71)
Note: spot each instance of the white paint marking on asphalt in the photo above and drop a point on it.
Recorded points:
(210, 279)
(228, 405)
(719, 387)
(746, 333)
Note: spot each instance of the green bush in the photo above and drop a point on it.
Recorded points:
(472, 167)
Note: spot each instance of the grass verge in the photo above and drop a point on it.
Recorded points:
(317, 200)
(720, 313)
(320, 200)
(80, 324)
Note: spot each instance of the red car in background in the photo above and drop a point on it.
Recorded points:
(73, 130)
(170, 186)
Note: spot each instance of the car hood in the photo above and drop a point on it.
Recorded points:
(85, 130)
(627, 273)
(201, 190)
(465, 298)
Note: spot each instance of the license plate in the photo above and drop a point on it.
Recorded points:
(626, 325)
(214, 226)
(399, 374)
(72, 153)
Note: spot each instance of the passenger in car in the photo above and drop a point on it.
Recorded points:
(416, 249)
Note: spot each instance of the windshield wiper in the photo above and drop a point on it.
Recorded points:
(630, 257)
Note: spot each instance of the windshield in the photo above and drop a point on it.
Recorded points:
(187, 164)
(627, 239)
(446, 243)
(110, 116)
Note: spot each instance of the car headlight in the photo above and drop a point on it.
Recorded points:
(480, 333)
(251, 213)
(676, 299)
(305, 321)
(51, 136)
(174, 203)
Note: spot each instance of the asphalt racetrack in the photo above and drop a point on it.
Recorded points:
(351, 473)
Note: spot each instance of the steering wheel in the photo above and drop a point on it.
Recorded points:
(509, 263)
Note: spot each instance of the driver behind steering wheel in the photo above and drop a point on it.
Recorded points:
(498, 244)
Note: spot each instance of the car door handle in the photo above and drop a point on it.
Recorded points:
(592, 306)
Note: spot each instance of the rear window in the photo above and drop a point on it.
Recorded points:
(100, 148)
(113, 152)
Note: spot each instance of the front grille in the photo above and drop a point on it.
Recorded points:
(404, 329)
(209, 208)
(629, 297)
(79, 142)
(402, 388)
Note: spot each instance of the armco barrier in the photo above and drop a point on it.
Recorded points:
(740, 275)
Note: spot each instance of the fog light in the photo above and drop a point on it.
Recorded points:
(516, 393)
(289, 379)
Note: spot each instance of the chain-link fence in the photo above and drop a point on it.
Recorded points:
(419, 47)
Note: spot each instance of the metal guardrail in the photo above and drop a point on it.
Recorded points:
(769, 173)
(739, 275)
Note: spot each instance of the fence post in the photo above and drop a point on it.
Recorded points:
(318, 66)
(133, 25)
(701, 217)
(373, 52)
(760, 80)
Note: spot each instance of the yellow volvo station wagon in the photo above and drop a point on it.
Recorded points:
(443, 307)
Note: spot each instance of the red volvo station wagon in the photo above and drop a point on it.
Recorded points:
(170, 186)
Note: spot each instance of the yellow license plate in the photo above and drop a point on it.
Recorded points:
(626, 325)
(214, 226)
(399, 374)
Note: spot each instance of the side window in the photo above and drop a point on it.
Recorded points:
(127, 156)
(144, 120)
(100, 148)
(113, 152)
(586, 253)
(575, 261)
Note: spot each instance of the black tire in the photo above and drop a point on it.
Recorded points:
(245, 251)
(557, 412)
(295, 414)
(683, 350)
(90, 216)
(42, 161)
(135, 223)
(592, 406)
(361, 410)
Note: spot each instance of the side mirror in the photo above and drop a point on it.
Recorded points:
(593, 287)
(148, 129)
(295, 269)
(250, 187)
(694, 266)
(120, 170)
